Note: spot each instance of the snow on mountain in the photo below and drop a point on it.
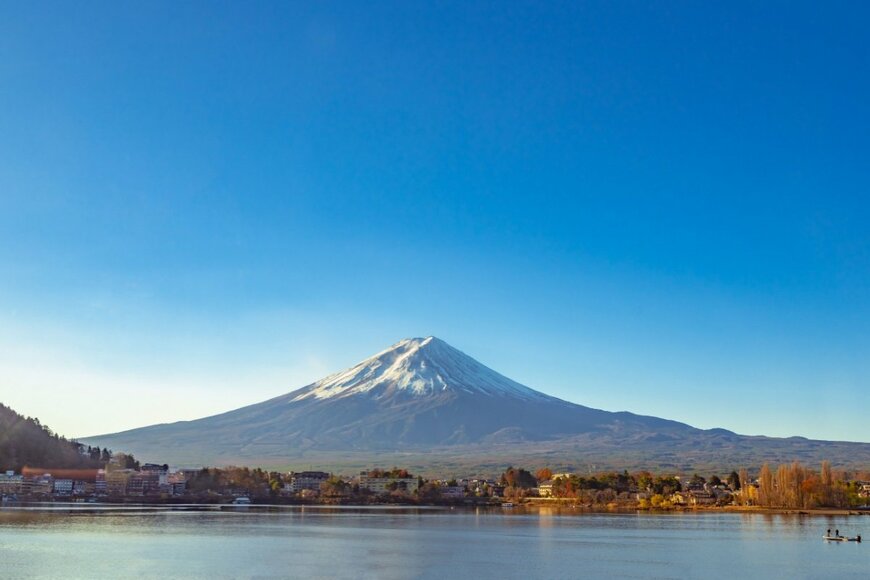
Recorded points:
(422, 396)
(419, 393)
(418, 367)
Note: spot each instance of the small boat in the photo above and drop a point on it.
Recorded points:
(242, 501)
(507, 504)
(841, 539)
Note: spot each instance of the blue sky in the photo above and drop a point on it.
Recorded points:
(659, 207)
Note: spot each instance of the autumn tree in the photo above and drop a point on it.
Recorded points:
(666, 485)
(544, 474)
(765, 486)
(334, 486)
(644, 480)
(516, 477)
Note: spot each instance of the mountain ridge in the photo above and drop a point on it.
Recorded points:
(423, 397)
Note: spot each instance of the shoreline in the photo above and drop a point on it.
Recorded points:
(558, 503)
(525, 506)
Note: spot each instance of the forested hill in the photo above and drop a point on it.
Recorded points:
(25, 441)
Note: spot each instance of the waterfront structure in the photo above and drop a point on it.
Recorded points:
(387, 484)
(143, 483)
(41, 485)
(10, 484)
(452, 492)
(117, 481)
(63, 486)
(305, 480)
(545, 489)
(176, 484)
(100, 482)
(83, 488)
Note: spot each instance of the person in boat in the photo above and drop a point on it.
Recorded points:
(828, 533)
(837, 533)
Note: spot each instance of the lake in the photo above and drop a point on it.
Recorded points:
(385, 542)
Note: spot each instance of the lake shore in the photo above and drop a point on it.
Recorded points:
(572, 505)
(526, 505)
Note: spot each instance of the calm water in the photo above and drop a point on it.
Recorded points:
(255, 542)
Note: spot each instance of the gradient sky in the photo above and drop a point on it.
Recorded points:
(660, 207)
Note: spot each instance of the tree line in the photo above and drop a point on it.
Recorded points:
(793, 485)
(26, 441)
(790, 485)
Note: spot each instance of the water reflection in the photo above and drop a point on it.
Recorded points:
(398, 542)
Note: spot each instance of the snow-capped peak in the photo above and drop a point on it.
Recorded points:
(417, 366)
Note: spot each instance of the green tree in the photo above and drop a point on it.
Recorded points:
(334, 486)
(644, 480)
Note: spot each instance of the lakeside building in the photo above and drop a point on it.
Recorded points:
(485, 487)
(10, 484)
(63, 487)
(545, 489)
(176, 484)
(63, 483)
(387, 484)
(452, 492)
(142, 483)
(38, 486)
(83, 488)
(702, 495)
(117, 481)
(100, 482)
(168, 482)
(305, 480)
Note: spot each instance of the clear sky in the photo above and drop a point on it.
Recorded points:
(659, 207)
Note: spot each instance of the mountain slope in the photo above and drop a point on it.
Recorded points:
(422, 396)
(24, 441)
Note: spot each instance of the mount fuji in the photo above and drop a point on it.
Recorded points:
(422, 402)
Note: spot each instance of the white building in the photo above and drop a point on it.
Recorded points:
(306, 480)
(63, 486)
(387, 484)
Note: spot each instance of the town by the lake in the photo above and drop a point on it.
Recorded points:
(124, 480)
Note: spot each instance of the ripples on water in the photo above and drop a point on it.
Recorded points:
(388, 542)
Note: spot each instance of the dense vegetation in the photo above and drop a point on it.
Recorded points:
(25, 441)
(790, 485)
(394, 473)
(253, 482)
(796, 486)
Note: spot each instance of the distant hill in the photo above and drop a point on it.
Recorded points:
(25, 441)
(423, 404)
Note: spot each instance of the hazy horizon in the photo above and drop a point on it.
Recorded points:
(634, 206)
